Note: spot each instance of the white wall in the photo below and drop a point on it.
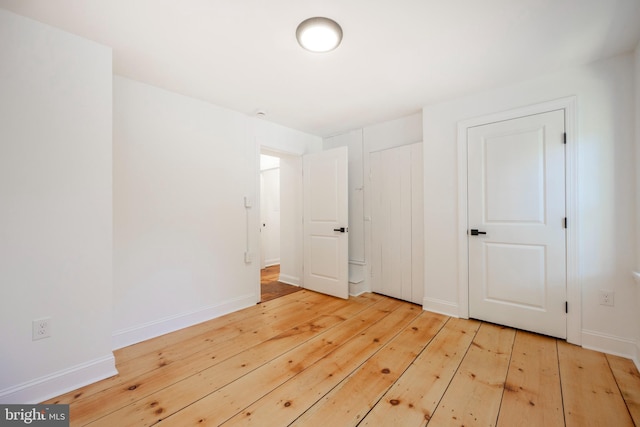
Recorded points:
(281, 140)
(55, 213)
(182, 168)
(361, 142)
(291, 228)
(607, 252)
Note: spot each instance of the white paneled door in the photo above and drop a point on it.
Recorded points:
(326, 215)
(516, 223)
(397, 222)
(270, 217)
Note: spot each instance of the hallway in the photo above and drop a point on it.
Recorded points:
(270, 287)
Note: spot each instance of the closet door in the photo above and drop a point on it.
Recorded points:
(397, 222)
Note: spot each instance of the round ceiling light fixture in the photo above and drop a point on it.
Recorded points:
(319, 34)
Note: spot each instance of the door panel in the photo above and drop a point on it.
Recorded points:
(516, 195)
(397, 222)
(270, 217)
(515, 178)
(326, 251)
(523, 264)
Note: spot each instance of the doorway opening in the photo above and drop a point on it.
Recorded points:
(321, 194)
(278, 199)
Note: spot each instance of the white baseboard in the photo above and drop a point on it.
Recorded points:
(139, 333)
(271, 262)
(636, 359)
(356, 289)
(610, 344)
(289, 280)
(441, 307)
(48, 386)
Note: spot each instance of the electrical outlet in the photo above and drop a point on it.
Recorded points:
(606, 298)
(41, 328)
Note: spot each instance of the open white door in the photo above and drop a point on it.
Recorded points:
(326, 214)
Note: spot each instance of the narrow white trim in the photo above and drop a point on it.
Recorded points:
(636, 358)
(271, 262)
(609, 344)
(441, 307)
(60, 382)
(139, 333)
(463, 242)
(574, 288)
(289, 280)
(574, 297)
(356, 289)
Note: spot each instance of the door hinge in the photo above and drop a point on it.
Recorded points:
(564, 138)
(565, 222)
(566, 306)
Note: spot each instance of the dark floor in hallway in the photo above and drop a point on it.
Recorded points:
(270, 287)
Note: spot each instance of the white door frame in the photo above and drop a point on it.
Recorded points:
(574, 317)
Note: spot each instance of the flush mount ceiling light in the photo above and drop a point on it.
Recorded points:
(319, 34)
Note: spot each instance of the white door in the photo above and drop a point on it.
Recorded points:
(516, 195)
(270, 217)
(326, 214)
(397, 222)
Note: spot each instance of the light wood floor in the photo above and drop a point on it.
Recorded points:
(270, 287)
(310, 360)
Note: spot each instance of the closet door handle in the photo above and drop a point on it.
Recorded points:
(341, 229)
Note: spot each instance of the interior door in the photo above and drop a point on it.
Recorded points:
(326, 214)
(270, 217)
(397, 256)
(516, 222)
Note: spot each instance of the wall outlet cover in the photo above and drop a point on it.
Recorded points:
(606, 298)
(41, 328)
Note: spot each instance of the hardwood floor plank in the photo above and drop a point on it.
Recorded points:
(148, 355)
(218, 405)
(234, 322)
(273, 290)
(475, 393)
(628, 379)
(269, 322)
(271, 287)
(109, 401)
(532, 393)
(179, 394)
(352, 399)
(590, 393)
(308, 359)
(286, 403)
(270, 274)
(414, 397)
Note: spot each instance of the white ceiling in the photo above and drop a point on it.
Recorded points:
(396, 56)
